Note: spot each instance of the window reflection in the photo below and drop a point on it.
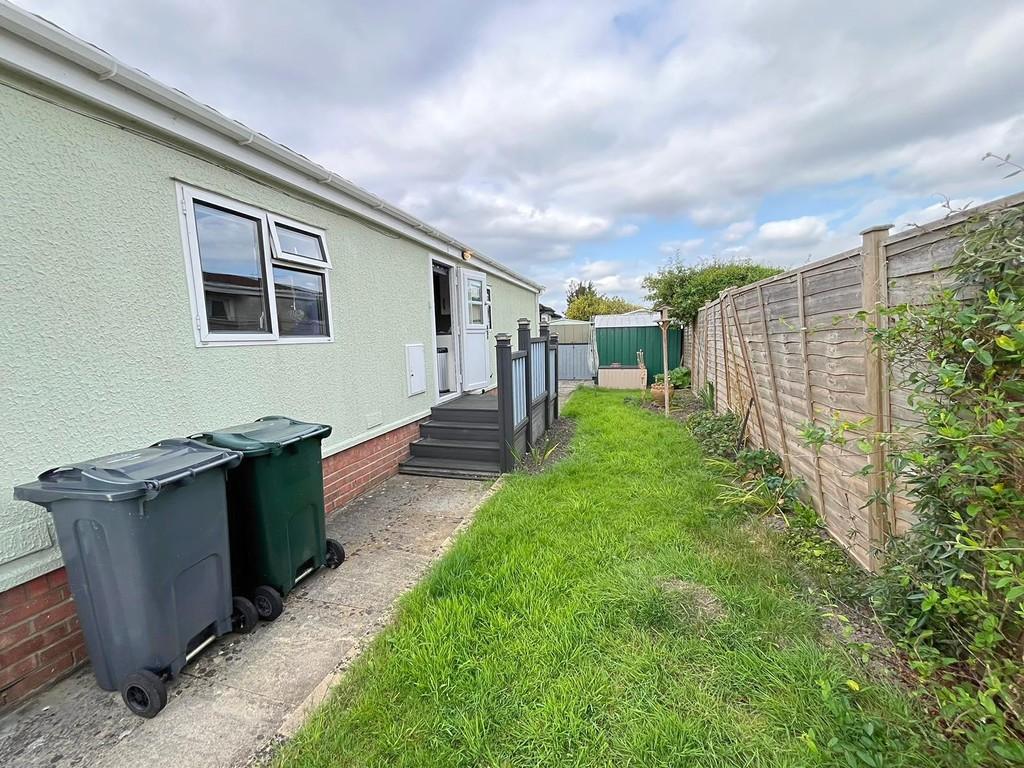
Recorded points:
(301, 302)
(234, 283)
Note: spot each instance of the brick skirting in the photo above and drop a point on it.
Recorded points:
(40, 638)
(351, 472)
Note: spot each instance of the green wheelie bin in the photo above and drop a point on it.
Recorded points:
(275, 508)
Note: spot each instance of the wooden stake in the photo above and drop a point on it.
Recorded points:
(771, 375)
(807, 385)
(750, 371)
(873, 288)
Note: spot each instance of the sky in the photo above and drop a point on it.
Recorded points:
(603, 140)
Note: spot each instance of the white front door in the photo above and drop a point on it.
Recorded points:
(473, 329)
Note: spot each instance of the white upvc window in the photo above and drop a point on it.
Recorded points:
(254, 277)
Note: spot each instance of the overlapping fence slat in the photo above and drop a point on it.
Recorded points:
(792, 351)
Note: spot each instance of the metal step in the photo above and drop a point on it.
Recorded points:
(460, 430)
(433, 447)
(433, 467)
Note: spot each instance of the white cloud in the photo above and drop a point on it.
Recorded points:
(528, 128)
(681, 247)
(738, 230)
(598, 269)
(806, 230)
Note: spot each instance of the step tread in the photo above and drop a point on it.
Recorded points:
(445, 463)
(483, 426)
(465, 470)
(444, 442)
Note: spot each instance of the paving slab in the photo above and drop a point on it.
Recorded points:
(247, 691)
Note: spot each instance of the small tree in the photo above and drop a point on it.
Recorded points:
(586, 305)
(578, 289)
(686, 289)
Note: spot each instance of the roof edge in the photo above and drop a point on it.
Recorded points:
(282, 163)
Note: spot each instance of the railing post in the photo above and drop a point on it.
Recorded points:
(875, 297)
(524, 346)
(553, 341)
(544, 331)
(506, 429)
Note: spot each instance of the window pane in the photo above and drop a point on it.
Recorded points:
(476, 314)
(299, 243)
(234, 284)
(476, 290)
(301, 302)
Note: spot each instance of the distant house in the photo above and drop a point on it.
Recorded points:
(548, 314)
(178, 271)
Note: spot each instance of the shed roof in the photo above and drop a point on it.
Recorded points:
(638, 318)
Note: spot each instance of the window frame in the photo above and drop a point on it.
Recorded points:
(187, 197)
(306, 229)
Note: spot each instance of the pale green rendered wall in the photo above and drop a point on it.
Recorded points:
(98, 351)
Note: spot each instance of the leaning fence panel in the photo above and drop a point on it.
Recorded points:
(793, 351)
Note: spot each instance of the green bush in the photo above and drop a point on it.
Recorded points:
(716, 435)
(952, 589)
(678, 377)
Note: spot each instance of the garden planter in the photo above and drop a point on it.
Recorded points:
(658, 392)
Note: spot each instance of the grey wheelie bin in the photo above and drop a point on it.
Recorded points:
(144, 535)
(276, 508)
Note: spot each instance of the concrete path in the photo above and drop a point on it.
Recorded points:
(247, 691)
(566, 388)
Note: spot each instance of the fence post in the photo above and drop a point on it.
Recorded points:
(874, 290)
(544, 331)
(553, 341)
(524, 346)
(506, 429)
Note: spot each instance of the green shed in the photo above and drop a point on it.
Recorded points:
(620, 337)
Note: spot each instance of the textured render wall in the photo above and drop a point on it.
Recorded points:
(96, 330)
(509, 302)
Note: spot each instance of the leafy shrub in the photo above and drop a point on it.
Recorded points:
(717, 435)
(757, 462)
(952, 589)
(706, 395)
(678, 377)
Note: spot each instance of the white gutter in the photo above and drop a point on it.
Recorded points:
(113, 84)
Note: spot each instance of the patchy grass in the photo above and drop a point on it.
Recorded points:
(602, 613)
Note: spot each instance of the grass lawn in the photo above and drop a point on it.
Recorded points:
(604, 612)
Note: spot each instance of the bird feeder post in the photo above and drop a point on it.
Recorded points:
(663, 323)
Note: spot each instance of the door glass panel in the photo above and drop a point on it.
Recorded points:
(476, 291)
(301, 302)
(234, 281)
(476, 314)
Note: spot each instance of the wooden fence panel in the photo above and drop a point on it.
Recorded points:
(792, 349)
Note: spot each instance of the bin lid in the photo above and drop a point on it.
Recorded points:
(267, 435)
(128, 475)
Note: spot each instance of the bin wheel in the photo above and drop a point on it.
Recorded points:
(144, 693)
(335, 554)
(268, 602)
(245, 616)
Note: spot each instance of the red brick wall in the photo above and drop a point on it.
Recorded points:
(40, 639)
(348, 473)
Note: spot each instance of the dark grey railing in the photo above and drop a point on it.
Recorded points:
(527, 390)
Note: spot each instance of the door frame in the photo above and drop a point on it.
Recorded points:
(485, 326)
(456, 346)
